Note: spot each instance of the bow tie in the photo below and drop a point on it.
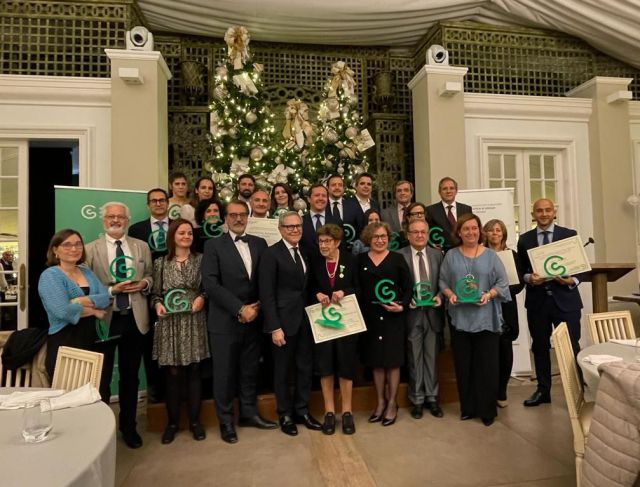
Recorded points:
(243, 238)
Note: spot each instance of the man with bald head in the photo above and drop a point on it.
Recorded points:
(260, 202)
(549, 301)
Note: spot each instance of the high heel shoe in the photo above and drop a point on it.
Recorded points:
(375, 418)
(390, 421)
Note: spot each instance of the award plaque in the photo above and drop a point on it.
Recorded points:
(394, 241)
(436, 237)
(212, 227)
(278, 212)
(422, 294)
(102, 331)
(467, 290)
(157, 241)
(176, 302)
(174, 211)
(384, 291)
(349, 233)
(119, 266)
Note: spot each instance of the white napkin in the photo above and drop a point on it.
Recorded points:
(87, 394)
(18, 399)
(630, 341)
(601, 359)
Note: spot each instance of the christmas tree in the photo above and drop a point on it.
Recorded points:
(241, 123)
(340, 143)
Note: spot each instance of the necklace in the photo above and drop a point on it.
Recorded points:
(335, 268)
(469, 265)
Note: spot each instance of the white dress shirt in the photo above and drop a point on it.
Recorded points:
(243, 248)
(416, 264)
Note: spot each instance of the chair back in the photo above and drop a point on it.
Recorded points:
(20, 377)
(612, 324)
(76, 367)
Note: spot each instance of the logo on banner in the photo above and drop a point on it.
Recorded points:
(88, 212)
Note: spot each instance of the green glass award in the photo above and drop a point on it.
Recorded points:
(174, 211)
(176, 302)
(436, 238)
(212, 227)
(384, 291)
(157, 241)
(119, 270)
(466, 289)
(394, 241)
(349, 233)
(422, 294)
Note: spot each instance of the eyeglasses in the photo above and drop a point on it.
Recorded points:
(292, 228)
(159, 201)
(116, 217)
(417, 232)
(416, 213)
(326, 242)
(380, 237)
(237, 216)
(71, 245)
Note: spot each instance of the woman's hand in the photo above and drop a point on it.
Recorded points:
(337, 296)
(99, 313)
(453, 299)
(484, 299)
(160, 310)
(323, 299)
(84, 301)
(197, 304)
(393, 307)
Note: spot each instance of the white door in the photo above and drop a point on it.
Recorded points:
(14, 160)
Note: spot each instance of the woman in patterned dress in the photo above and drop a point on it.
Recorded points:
(180, 341)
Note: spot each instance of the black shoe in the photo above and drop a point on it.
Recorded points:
(348, 426)
(198, 431)
(537, 398)
(487, 421)
(434, 409)
(416, 411)
(465, 417)
(169, 433)
(329, 425)
(389, 422)
(309, 421)
(257, 422)
(228, 433)
(132, 439)
(287, 426)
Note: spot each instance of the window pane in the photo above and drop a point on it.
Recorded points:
(534, 167)
(9, 192)
(512, 184)
(536, 191)
(550, 190)
(510, 166)
(495, 183)
(8, 161)
(494, 166)
(8, 222)
(549, 167)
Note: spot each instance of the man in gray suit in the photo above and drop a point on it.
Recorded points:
(124, 265)
(423, 322)
(394, 214)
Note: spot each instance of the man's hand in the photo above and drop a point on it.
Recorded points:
(536, 280)
(135, 286)
(565, 281)
(277, 337)
(120, 287)
(437, 301)
(249, 313)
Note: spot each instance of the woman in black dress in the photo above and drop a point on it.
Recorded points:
(210, 217)
(334, 276)
(386, 285)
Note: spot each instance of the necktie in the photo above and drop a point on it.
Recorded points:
(318, 222)
(161, 236)
(336, 211)
(545, 237)
(242, 238)
(422, 268)
(450, 217)
(298, 259)
(122, 300)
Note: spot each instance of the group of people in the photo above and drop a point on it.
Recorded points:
(215, 293)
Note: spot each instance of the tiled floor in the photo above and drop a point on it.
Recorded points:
(524, 447)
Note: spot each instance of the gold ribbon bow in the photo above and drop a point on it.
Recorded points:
(297, 127)
(342, 76)
(237, 39)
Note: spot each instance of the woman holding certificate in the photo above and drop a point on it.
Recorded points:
(495, 233)
(180, 341)
(334, 276)
(386, 287)
(474, 282)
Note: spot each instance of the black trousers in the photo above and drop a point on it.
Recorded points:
(540, 321)
(235, 372)
(505, 359)
(476, 363)
(130, 351)
(155, 382)
(81, 335)
(298, 350)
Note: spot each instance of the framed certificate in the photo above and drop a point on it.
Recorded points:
(266, 228)
(564, 257)
(506, 256)
(335, 321)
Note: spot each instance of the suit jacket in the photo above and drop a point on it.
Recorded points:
(390, 216)
(98, 261)
(227, 283)
(436, 216)
(319, 280)
(283, 290)
(142, 230)
(354, 210)
(309, 242)
(434, 315)
(565, 297)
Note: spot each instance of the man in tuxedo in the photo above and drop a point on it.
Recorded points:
(362, 201)
(445, 213)
(153, 230)
(424, 323)
(394, 215)
(129, 280)
(318, 215)
(283, 295)
(548, 301)
(245, 187)
(230, 278)
(260, 202)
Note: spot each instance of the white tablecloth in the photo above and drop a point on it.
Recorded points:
(590, 372)
(80, 450)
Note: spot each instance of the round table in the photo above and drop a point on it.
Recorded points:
(80, 450)
(590, 372)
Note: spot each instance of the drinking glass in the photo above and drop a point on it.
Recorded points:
(36, 421)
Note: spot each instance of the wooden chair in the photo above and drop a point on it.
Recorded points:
(612, 324)
(579, 411)
(76, 367)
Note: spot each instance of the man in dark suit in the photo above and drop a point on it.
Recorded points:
(548, 301)
(336, 205)
(445, 213)
(362, 201)
(318, 215)
(230, 278)
(394, 214)
(283, 296)
(424, 323)
(129, 316)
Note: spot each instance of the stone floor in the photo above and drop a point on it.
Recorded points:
(524, 447)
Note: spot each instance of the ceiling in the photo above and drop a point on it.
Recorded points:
(611, 26)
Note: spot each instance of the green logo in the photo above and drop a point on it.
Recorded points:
(278, 212)
(212, 226)
(119, 266)
(331, 318)
(174, 211)
(157, 241)
(422, 294)
(553, 267)
(436, 237)
(394, 242)
(102, 330)
(349, 232)
(467, 290)
(384, 291)
(176, 302)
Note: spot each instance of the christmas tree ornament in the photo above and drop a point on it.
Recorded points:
(220, 92)
(237, 39)
(256, 154)
(329, 136)
(233, 132)
(226, 193)
(351, 132)
(300, 205)
(251, 117)
(221, 72)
